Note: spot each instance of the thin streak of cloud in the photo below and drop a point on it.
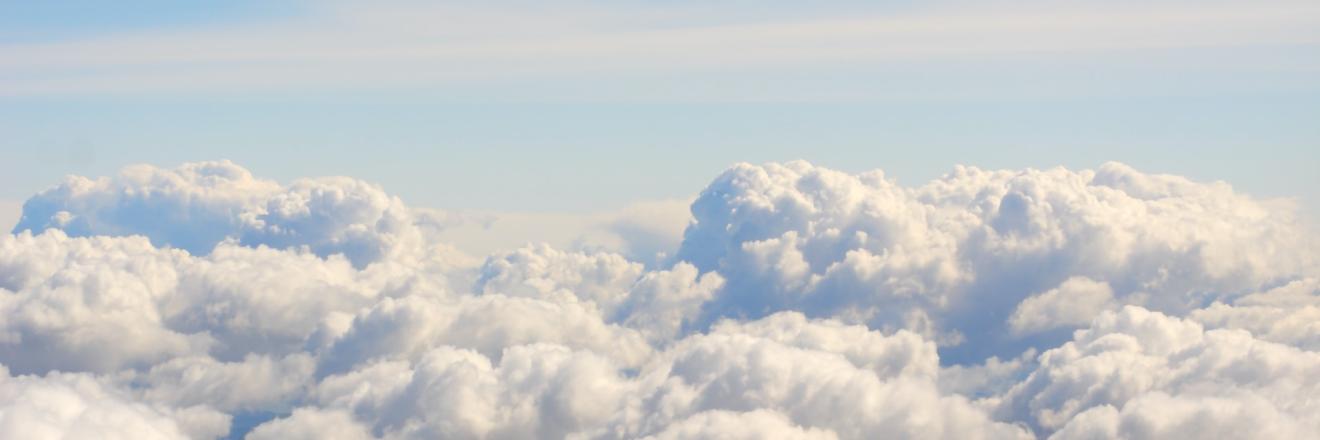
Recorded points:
(428, 46)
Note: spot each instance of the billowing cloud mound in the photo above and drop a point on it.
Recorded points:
(198, 205)
(62, 405)
(954, 258)
(1138, 373)
(802, 303)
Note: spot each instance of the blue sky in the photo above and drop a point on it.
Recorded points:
(590, 106)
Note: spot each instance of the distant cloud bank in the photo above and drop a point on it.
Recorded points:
(802, 302)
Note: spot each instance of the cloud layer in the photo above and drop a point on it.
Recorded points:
(802, 302)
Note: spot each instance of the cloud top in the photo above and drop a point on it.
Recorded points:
(803, 302)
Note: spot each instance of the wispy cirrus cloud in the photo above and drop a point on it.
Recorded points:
(411, 45)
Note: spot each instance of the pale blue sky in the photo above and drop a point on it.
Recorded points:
(589, 106)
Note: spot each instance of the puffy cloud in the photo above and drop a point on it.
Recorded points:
(258, 383)
(544, 272)
(805, 379)
(1147, 359)
(311, 424)
(198, 205)
(63, 405)
(1288, 314)
(903, 353)
(409, 327)
(1160, 416)
(954, 258)
(802, 303)
(264, 300)
(535, 391)
(1074, 303)
(758, 424)
(844, 379)
(88, 304)
(107, 303)
(663, 304)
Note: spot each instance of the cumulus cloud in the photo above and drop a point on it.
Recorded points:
(1158, 415)
(88, 304)
(311, 424)
(1288, 314)
(1073, 303)
(801, 302)
(198, 205)
(407, 328)
(62, 405)
(1147, 359)
(954, 258)
(758, 424)
(534, 391)
(847, 380)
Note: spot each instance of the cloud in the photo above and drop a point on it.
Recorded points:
(1158, 415)
(87, 304)
(535, 391)
(801, 302)
(825, 377)
(758, 424)
(661, 304)
(543, 272)
(847, 380)
(407, 328)
(311, 424)
(257, 383)
(1073, 303)
(198, 205)
(1288, 314)
(411, 45)
(954, 258)
(106, 303)
(62, 405)
(1147, 360)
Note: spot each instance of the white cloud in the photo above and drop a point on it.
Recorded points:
(311, 424)
(63, 405)
(106, 303)
(802, 303)
(814, 379)
(410, 45)
(758, 424)
(1160, 416)
(1146, 360)
(661, 304)
(854, 383)
(543, 272)
(87, 304)
(1074, 303)
(408, 328)
(534, 391)
(198, 205)
(1289, 314)
(664, 304)
(257, 383)
(953, 258)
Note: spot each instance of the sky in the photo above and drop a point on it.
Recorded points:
(531, 107)
(1004, 219)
